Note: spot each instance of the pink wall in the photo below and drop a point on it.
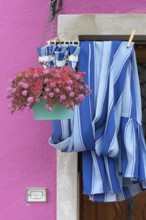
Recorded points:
(26, 160)
(104, 6)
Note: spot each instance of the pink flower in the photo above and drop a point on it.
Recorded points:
(69, 82)
(71, 103)
(71, 94)
(25, 85)
(47, 89)
(62, 97)
(81, 87)
(81, 97)
(51, 94)
(48, 107)
(46, 71)
(67, 105)
(14, 90)
(30, 99)
(46, 80)
(77, 76)
(77, 99)
(87, 92)
(37, 99)
(20, 84)
(57, 90)
(63, 85)
(68, 88)
(52, 84)
(24, 92)
(36, 75)
(57, 75)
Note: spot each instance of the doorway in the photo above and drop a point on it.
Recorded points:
(134, 208)
(73, 26)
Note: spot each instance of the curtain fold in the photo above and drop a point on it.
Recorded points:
(58, 55)
(107, 127)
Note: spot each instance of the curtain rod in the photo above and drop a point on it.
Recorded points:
(138, 39)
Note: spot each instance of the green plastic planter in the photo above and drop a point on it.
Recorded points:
(59, 112)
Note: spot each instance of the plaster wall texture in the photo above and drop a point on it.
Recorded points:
(104, 6)
(26, 159)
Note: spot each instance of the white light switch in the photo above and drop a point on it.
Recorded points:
(36, 195)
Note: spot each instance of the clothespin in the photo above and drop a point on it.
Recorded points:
(131, 38)
(55, 39)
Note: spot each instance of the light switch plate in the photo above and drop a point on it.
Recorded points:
(36, 195)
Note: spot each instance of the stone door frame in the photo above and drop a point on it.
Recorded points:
(72, 26)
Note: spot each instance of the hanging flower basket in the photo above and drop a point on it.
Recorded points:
(55, 91)
(59, 112)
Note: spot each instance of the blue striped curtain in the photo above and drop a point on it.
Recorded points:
(107, 127)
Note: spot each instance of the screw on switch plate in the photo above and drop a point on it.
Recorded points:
(36, 195)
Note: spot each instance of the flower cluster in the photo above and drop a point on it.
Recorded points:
(64, 85)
